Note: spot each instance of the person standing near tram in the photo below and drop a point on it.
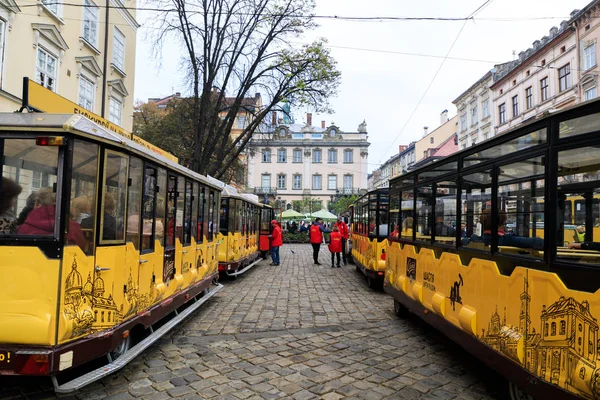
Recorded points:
(316, 238)
(276, 242)
(343, 228)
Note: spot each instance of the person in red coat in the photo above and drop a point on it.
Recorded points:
(343, 227)
(315, 235)
(335, 245)
(276, 242)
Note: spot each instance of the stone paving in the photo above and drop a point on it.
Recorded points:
(297, 331)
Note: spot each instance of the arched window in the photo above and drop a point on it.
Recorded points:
(553, 329)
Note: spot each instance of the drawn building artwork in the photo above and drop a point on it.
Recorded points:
(411, 268)
(90, 310)
(563, 352)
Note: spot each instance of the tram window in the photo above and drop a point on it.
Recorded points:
(211, 215)
(187, 215)
(171, 196)
(150, 224)
(394, 226)
(225, 215)
(161, 206)
(579, 187)
(476, 195)
(201, 215)
(424, 212)
(407, 214)
(239, 215)
(579, 126)
(445, 212)
(509, 147)
(114, 198)
(383, 208)
(83, 190)
(134, 201)
(180, 208)
(521, 207)
(216, 200)
(26, 168)
(194, 223)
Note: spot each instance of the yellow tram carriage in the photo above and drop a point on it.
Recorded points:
(113, 239)
(485, 255)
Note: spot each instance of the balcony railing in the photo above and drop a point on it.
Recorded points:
(265, 190)
(350, 191)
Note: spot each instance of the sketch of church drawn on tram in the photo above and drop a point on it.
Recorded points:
(565, 350)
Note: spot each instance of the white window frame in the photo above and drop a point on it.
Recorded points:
(263, 180)
(87, 94)
(118, 56)
(317, 156)
(591, 93)
(281, 181)
(486, 108)
(332, 156)
(115, 113)
(590, 56)
(299, 154)
(463, 122)
(332, 182)
(91, 20)
(266, 156)
(317, 182)
(348, 156)
(53, 6)
(474, 115)
(281, 156)
(241, 121)
(348, 179)
(297, 181)
(42, 75)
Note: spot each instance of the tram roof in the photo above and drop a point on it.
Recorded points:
(79, 125)
(230, 191)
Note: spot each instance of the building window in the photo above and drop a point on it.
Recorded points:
(332, 132)
(266, 156)
(316, 182)
(515, 106)
(281, 156)
(502, 113)
(431, 140)
(297, 183)
(297, 156)
(87, 91)
(473, 116)
(590, 93)
(90, 23)
(486, 108)
(281, 181)
(332, 182)
(316, 156)
(332, 156)
(564, 77)
(590, 56)
(297, 135)
(348, 156)
(563, 327)
(463, 122)
(529, 97)
(241, 122)
(51, 5)
(348, 184)
(265, 182)
(544, 88)
(119, 49)
(116, 109)
(46, 69)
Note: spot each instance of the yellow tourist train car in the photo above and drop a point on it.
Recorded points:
(369, 231)
(100, 239)
(467, 262)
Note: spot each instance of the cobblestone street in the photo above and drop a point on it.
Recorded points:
(298, 331)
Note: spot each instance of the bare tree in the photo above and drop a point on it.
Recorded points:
(235, 48)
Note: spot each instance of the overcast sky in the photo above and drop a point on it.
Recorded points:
(381, 83)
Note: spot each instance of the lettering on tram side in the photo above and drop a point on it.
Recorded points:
(455, 292)
(411, 268)
(428, 280)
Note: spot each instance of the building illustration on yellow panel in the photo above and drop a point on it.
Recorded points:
(562, 351)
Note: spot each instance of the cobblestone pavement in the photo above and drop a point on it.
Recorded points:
(297, 331)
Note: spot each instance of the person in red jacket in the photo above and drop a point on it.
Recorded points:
(343, 227)
(335, 245)
(316, 238)
(276, 242)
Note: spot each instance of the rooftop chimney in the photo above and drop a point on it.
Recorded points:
(274, 118)
(425, 131)
(444, 117)
(177, 94)
(323, 124)
(309, 119)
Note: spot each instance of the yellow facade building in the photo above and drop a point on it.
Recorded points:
(68, 48)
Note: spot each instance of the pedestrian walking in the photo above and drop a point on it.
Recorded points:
(316, 238)
(335, 246)
(276, 242)
(343, 228)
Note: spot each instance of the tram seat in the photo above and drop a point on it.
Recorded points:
(520, 251)
(477, 245)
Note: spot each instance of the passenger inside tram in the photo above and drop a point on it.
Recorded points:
(41, 219)
(81, 208)
(10, 192)
(27, 209)
(504, 238)
(109, 223)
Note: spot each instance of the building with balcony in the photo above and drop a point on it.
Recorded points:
(70, 49)
(474, 106)
(299, 161)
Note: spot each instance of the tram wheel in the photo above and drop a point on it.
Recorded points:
(516, 393)
(122, 348)
(399, 309)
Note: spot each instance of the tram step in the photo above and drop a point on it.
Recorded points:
(136, 350)
(244, 270)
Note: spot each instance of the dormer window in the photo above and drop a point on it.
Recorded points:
(332, 132)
